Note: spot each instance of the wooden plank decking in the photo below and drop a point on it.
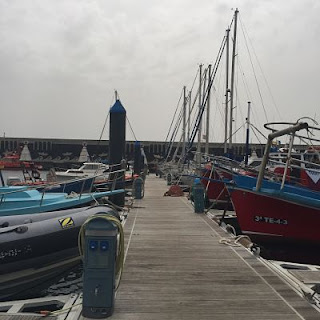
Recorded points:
(175, 268)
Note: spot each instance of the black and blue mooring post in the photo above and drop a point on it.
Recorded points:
(198, 195)
(117, 144)
(137, 158)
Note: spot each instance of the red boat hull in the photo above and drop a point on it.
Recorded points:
(13, 162)
(267, 219)
(13, 165)
(216, 190)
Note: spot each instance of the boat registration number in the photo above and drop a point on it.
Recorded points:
(270, 220)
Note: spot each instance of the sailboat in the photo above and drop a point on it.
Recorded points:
(184, 169)
(213, 175)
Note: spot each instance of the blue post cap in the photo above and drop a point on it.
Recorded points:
(196, 181)
(117, 107)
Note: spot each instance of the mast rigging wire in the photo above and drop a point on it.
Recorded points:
(212, 77)
(255, 76)
(258, 131)
(135, 138)
(175, 112)
(244, 30)
(104, 126)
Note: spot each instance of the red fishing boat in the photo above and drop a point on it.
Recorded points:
(12, 161)
(272, 214)
(277, 211)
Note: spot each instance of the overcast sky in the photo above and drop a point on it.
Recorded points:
(61, 60)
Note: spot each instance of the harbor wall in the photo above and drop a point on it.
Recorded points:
(66, 151)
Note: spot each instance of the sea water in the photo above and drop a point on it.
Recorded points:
(70, 282)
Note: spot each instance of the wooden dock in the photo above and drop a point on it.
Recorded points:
(176, 269)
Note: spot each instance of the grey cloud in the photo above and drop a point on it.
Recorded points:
(63, 59)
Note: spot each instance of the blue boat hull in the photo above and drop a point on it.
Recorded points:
(32, 201)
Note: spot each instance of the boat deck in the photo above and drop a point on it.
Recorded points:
(176, 268)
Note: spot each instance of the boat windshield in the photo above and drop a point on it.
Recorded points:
(90, 167)
(312, 160)
(93, 166)
(74, 171)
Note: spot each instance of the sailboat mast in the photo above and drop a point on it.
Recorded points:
(232, 76)
(208, 111)
(189, 113)
(247, 137)
(227, 93)
(200, 127)
(184, 123)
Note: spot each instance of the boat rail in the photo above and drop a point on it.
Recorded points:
(47, 187)
(276, 165)
(290, 160)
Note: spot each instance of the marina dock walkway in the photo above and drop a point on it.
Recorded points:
(175, 268)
